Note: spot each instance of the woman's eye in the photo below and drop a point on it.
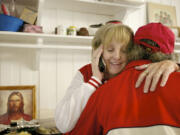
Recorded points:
(123, 50)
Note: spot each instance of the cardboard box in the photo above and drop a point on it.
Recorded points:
(28, 16)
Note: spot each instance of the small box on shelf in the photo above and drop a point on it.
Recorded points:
(28, 16)
(29, 28)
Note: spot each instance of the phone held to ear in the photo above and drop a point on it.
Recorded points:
(101, 65)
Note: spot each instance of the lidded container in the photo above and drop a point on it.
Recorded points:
(61, 30)
(12, 8)
(72, 31)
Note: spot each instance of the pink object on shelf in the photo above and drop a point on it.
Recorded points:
(32, 28)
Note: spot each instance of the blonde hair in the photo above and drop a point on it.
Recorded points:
(109, 32)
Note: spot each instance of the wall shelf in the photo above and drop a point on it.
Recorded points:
(43, 41)
(31, 40)
(50, 41)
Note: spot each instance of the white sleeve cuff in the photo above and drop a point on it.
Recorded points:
(93, 81)
(97, 79)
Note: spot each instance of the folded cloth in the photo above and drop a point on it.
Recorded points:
(32, 28)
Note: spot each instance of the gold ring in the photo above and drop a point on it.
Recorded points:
(146, 65)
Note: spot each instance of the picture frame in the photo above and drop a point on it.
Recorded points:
(175, 30)
(165, 14)
(21, 99)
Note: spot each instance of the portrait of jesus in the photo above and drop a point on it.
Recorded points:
(16, 106)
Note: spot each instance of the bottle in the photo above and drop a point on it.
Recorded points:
(12, 8)
(61, 30)
(71, 31)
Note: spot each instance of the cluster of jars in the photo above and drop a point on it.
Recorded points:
(61, 30)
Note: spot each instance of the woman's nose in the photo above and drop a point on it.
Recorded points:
(117, 55)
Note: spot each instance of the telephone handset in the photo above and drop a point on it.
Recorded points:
(101, 65)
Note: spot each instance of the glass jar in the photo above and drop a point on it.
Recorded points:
(61, 30)
(12, 8)
(71, 31)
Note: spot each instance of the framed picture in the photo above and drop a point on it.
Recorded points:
(162, 13)
(17, 103)
(176, 31)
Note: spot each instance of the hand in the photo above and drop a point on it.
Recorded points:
(154, 72)
(96, 54)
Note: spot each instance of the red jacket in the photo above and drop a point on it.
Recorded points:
(86, 71)
(118, 104)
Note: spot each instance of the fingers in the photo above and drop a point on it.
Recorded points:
(96, 51)
(147, 83)
(140, 79)
(150, 76)
(168, 67)
(144, 74)
(165, 77)
(153, 73)
(155, 80)
(141, 67)
(96, 54)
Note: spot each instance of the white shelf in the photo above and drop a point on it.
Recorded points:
(51, 41)
(94, 7)
(40, 41)
(31, 40)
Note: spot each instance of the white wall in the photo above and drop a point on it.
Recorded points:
(139, 17)
(62, 65)
(57, 67)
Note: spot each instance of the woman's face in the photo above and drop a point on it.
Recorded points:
(115, 58)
